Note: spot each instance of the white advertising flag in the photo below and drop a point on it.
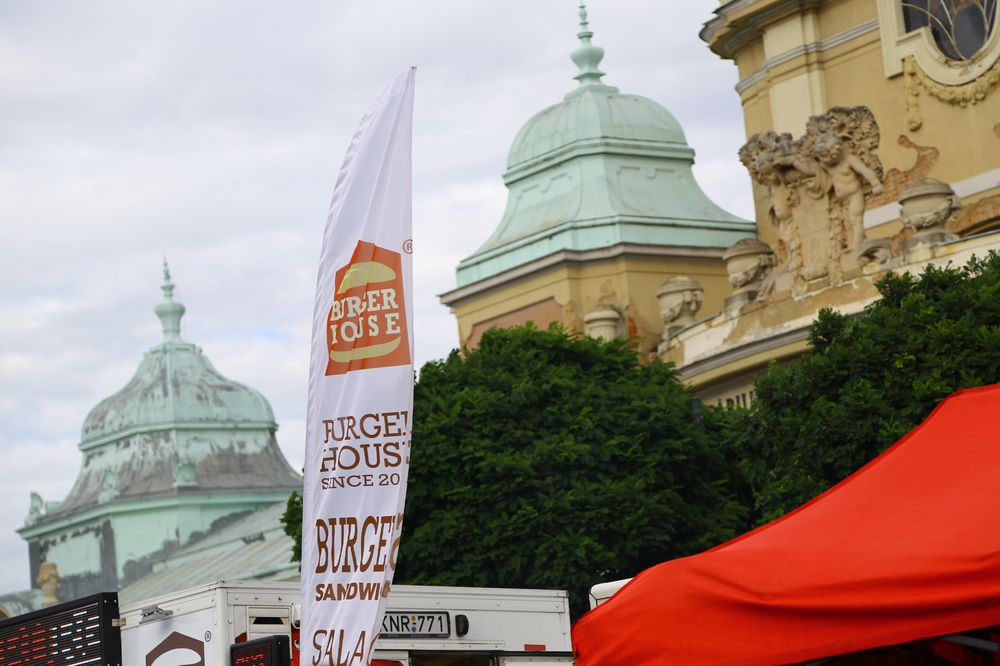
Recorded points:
(360, 401)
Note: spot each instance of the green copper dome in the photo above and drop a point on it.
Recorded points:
(589, 117)
(175, 383)
(177, 454)
(178, 427)
(599, 169)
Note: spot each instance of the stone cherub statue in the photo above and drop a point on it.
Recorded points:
(817, 187)
(846, 171)
(769, 159)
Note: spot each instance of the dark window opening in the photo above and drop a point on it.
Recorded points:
(960, 28)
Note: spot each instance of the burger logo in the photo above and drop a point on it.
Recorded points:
(366, 327)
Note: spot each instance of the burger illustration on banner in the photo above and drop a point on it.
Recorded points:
(366, 326)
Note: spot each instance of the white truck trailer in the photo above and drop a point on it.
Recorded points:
(424, 625)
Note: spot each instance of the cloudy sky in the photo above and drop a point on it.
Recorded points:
(211, 132)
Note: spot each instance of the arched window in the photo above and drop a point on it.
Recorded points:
(960, 28)
(951, 42)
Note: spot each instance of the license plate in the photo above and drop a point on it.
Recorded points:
(415, 624)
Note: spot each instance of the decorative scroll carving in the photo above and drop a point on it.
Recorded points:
(874, 253)
(185, 474)
(109, 487)
(914, 119)
(818, 186)
(962, 95)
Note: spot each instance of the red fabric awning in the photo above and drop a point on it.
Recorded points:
(907, 547)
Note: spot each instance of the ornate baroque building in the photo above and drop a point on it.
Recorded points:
(169, 461)
(872, 145)
(602, 207)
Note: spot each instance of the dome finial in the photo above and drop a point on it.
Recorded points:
(168, 286)
(168, 311)
(587, 56)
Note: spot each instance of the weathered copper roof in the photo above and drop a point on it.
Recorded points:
(178, 427)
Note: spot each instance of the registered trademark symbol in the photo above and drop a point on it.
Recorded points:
(408, 246)
(208, 636)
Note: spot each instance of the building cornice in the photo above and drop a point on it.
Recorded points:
(597, 146)
(722, 15)
(583, 235)
(735, 354)
(739, 21)
(176, 425)
(45, 526)
(805, 49)
(456, 296)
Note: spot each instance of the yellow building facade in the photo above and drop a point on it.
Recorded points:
(927, 75)
(938, 117)
(873, 145)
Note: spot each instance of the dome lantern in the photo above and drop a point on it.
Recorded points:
(169, 311)
(587, 57)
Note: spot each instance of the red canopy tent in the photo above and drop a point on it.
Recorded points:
(906, 548)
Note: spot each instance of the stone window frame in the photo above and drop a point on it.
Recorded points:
(898, 45)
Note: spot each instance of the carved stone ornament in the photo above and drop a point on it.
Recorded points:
(680, 299)
(818, 186)
(873, 254)
(925, 207)
(602, 322)
(185, 474)
(963, 95)
(748, 263)
(37, 507)
(48, 580)
(109, 487)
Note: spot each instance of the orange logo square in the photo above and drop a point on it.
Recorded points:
(366, 326)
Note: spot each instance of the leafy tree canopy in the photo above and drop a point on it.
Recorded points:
(545, 459)
(868, 381)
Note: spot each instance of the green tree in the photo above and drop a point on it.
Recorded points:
(546, 459)
(868, 380)
(291, 522)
